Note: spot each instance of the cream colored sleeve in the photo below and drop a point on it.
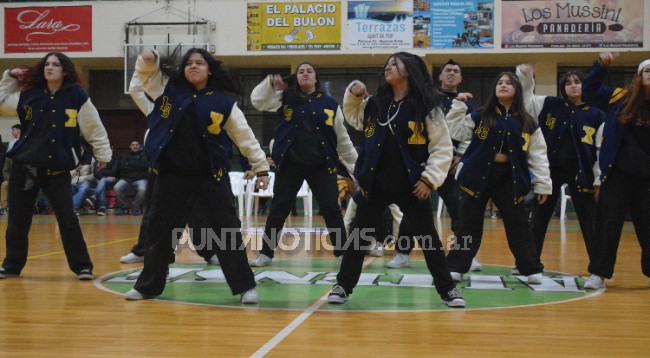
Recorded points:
(461, 126)
(538, 163)
(242, 135)
(264, 96)
(353, 107)
(440, 149)
(9, 95)
(344, 145)
(93, 131)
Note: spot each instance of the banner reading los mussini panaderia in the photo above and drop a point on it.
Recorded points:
(572, 24)
(275, 26)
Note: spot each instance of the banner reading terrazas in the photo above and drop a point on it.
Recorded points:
(293, 26)
(572, 24)
(380, 24)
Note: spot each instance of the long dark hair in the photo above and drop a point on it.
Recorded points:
(581, 76)
(489, 113)
(635, 109)
(293, 90)
(423, 95)
(220, 79)
(35, 77)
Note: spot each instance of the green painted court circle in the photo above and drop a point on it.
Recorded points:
(297, 284)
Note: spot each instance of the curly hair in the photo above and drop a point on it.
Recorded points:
(35, 77)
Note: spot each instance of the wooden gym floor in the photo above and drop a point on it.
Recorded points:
(48, 313)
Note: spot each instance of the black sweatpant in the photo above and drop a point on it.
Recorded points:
(58, 190)
(518, 233)
(288, 181)
(619, 193)
(175, 196)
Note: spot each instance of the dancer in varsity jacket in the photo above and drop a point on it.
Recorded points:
(625, 169)
(309, 137)
(570, 129)
(54, 113)
(406, 154)
(506, 146)
(192, 112)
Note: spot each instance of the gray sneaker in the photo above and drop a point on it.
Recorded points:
(337, 295)
(399, 261)
(454, 298)
(261, 260)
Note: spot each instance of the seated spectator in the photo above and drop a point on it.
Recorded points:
(81, 180)
(105, 179)
(132, 170)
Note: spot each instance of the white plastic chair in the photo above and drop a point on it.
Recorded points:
(563, 197)
(254, 196)
(238, 186)
(307, 199)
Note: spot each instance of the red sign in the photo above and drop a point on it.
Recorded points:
(48, 29)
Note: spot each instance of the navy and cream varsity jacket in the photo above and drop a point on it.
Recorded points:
(558, 118)
(527, 152)
(71, 115)
(319, 107)
(426, 152)
(217, 116)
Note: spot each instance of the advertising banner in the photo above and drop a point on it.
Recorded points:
(48, 28)
(572, 24)
(380, 24)
(453, 24)
(273, 26)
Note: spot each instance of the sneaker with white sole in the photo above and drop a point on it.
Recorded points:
(536, 279)
(456, 276)
(514, 271)
(476, 266)
(131, 258)
(214, 260)
(399, 261)
(594, 282)
(85, 274)
(453, 298)
(135, 295)
(5, 274)
(377, 250)
(337, 295)
(250, 297)
(261, 261)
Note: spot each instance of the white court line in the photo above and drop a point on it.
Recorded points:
(273, 342)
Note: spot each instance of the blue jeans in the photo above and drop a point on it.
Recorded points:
(79, 194)
(100, 191)
(122, 186)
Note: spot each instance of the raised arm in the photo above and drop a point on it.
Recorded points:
(9, 93)
(265, 96)
(147, 80)
(354, 104)
(344, 146)
(532, 102)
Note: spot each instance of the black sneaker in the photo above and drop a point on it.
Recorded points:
(5, 274)
(337, 295)
(85, 274)
(101, 212)
(453, 298)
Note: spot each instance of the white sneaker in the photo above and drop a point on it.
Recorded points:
(134, 295)
(131, 258)
(377, 250)
(476, 266)
(535, 279)
(214, 260)
(456, 276)
(514, 271)
(250, 297)
(261, 260)
(337, 295)
(594, 282)
(399, 261)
